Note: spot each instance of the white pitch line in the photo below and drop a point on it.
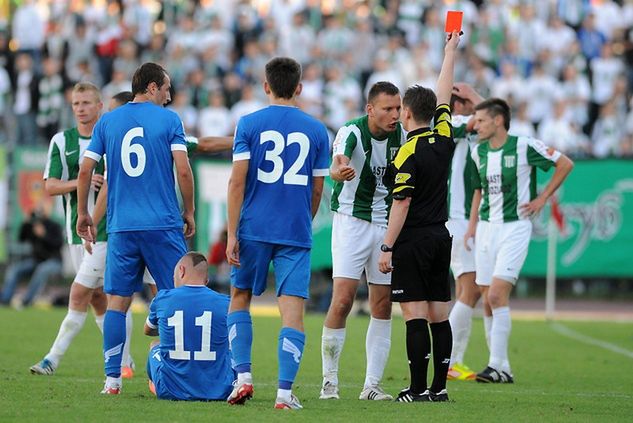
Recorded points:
(570, 333)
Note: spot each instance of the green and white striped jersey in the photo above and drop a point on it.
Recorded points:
(507, 176)
(365, 197)
(460, 187)
(65, 154)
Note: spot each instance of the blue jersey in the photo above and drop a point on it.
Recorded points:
(138, 140)
(194, 344)
(286, 148)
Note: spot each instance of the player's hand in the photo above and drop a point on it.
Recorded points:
(463, 90)
(532, 208)
(85, 227)
(190, 225)
(96, 182)
(233, 251)
(469, 239)
(452, 40)
(347, 173)
(384, 262)
(88, 247)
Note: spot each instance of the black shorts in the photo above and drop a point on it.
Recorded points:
(421, 260)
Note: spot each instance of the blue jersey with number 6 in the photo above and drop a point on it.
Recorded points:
(286, 148)
(193, 361)
(138, 140)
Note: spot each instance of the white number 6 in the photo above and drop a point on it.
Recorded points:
(127, 149)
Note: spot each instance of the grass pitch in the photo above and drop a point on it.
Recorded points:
(585, 376)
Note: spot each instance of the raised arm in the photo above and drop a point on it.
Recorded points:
(445, 80)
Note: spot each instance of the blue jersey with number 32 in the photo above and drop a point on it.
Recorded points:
(286, 148)
(138, 140)
(194, 344)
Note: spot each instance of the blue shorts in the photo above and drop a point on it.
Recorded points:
(291, 266)
(154, 363)
(129, 253)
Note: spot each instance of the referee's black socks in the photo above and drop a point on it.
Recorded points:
(419, 352)
(442, 345)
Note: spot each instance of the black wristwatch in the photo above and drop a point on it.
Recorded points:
(385, 248)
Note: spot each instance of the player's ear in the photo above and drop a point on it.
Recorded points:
(369, 108)
(267, 88)
(298, 89)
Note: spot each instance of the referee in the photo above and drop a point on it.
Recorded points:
(416, 233)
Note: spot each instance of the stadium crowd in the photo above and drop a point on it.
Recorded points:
(571, 85)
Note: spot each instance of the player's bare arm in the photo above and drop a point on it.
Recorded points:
(445, 79)
(150, 331)
(213, 145)
(237, 185)
(85, 226)
(563, 167)
(474, 218)
(340, 170)
(185, 182)
(317, 192)
(54, 186)
(397, 216)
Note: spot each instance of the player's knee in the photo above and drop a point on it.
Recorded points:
(469, 296)
(341, 306)
(381, 308)
(496, 300)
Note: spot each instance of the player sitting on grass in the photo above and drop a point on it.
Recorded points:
(191, 361)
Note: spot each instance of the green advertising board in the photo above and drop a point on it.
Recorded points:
(596, 199)
(597, 203)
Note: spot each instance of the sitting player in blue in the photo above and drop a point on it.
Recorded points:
(192, 359)
(280, 158)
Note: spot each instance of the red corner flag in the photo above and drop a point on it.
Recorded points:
(557, 214)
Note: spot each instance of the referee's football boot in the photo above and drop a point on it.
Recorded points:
(441, 396)
(375, 393)
(44, 367)
(407, 396)
(329, 390)
(490, 375)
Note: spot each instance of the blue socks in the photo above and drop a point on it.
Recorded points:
(113, 341)
(240, 328)
(290, 352)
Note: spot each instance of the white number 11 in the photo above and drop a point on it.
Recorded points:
(204, 321)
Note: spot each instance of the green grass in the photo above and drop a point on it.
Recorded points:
(557, 378)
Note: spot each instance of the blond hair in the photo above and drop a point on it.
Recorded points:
(81, 87)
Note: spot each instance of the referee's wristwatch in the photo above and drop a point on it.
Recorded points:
(385, 248)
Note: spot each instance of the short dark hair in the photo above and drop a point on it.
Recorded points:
(421, 102)
(123, 97)
(495, 107)
(382, 87)
(196, 258)
(146, 74)
(283, 75)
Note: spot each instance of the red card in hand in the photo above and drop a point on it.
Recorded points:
(453, 21)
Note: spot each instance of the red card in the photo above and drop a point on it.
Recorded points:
(453, 21)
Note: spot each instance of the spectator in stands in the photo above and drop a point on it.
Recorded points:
(46, 240)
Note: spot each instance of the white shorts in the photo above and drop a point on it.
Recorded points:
(500, 250)
(90, 268)
(462, 260)
(356, 248)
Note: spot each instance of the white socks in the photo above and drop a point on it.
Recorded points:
(487, 329)
(332, 341)
(70, 327)
(461, 318)
(499, 336)
(377, 346)
(284, 394)
(99, 322)
(126, 360)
